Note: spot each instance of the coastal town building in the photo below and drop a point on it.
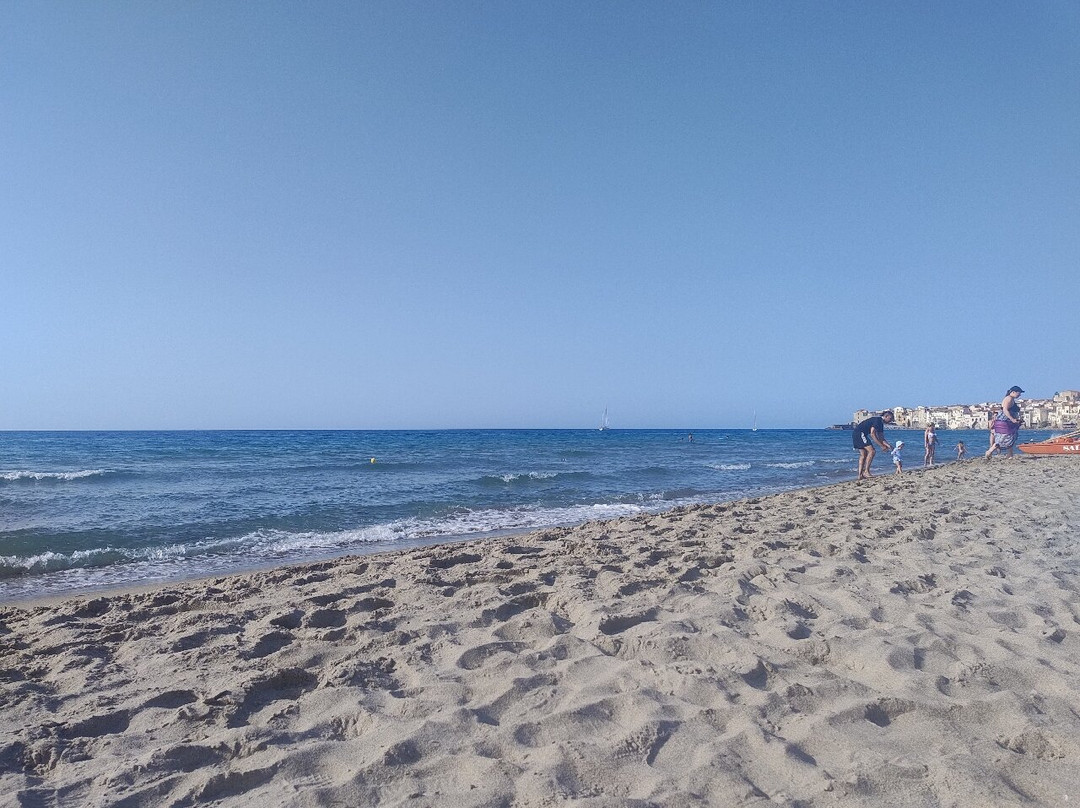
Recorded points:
(1060, 412)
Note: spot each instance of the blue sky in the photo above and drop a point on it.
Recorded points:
(484, 214)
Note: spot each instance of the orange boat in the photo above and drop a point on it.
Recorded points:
(1061, 445)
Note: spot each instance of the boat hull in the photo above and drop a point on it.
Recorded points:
(1070, 448)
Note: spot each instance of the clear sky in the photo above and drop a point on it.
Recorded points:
(502, 214)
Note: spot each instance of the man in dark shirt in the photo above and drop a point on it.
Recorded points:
(866, 434)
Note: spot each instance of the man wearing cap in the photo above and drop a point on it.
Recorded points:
(866, 434)
(1006, 425)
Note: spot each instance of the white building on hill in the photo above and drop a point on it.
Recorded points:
(1060, 412)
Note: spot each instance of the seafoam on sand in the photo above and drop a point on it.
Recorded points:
(910, 640)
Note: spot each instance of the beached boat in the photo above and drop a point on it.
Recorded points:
(1061, 445)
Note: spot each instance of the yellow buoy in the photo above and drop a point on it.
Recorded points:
(373, 460)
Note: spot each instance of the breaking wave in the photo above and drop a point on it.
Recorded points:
(531, 477)
(54, 476)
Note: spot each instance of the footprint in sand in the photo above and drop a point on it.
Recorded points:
(368, 674)
(269, 644)
(519, 588)
(475, 657)
(447, 562)
(285, 684)
(633, 587)
(799, 632)
(963, 599)
(291, 619)
(1055, 634)
(171, 699)
(758, 677)
(325, 600)
(647, 742)
(98, 725)
(916, 586)
(1033, 743)
(522, 550)
(372, 604)
(185, 758)
(198, 639)
(512, 608)
(403, 753)
(617, 624)
(233, 784)
(881, 713)
(326, 618)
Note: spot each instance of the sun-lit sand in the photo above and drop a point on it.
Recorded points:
(904, 641)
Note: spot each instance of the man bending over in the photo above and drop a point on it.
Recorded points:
(866, 434)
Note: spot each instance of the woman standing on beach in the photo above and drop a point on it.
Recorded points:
(1006, 425)
(930, 443)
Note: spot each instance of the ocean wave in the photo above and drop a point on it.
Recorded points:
(271, 546)
(261, 545)
(50, 561)
(729, 466)
(530, 476)
(56, 476)
(800, 465)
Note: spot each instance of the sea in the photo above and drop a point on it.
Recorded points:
(92, 511)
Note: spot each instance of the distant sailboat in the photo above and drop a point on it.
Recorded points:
(755, 421)
(604, 422)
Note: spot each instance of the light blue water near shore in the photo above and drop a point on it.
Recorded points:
(87, 510)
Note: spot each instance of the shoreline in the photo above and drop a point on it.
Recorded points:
(133, 520)
(109, 590)
(908, 639)
(158, 580)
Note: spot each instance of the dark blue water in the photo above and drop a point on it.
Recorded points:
(85, 510)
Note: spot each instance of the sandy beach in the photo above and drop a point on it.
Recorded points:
(907, 640)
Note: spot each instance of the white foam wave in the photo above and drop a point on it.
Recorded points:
(532, 475)
(800, 465)
(42, 562)
(269, 546)
(729, 466)
(469, 522)
(14, 476)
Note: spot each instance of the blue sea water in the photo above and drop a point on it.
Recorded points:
(93, 510)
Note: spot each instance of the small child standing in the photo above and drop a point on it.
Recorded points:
(961, 450)
(896, 459)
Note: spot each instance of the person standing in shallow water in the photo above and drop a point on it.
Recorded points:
(991, 416)
(1006, 425)
(930, 442)
(870, 431)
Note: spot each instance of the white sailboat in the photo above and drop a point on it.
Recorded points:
(755, 421)
(604, 422)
